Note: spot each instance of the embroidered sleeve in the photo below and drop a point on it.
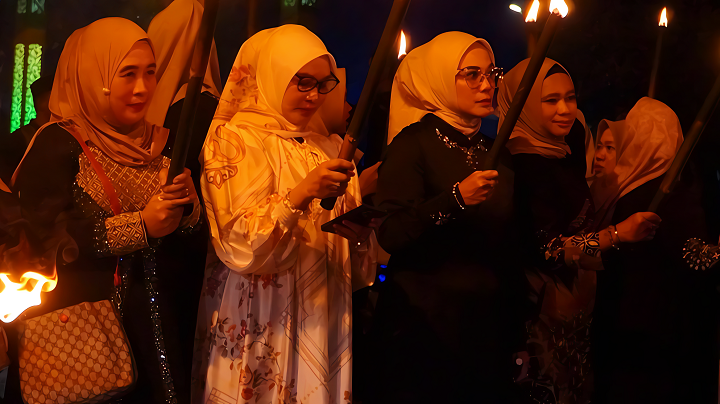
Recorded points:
(581, 250)
(700, 255)
(126, 233)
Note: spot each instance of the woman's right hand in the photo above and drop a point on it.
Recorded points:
(638, 227)
(162, 216)
(478, 187)
(329, 179)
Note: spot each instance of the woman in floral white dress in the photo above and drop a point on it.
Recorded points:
(275, 318)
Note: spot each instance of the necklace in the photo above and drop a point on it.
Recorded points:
(469, 153)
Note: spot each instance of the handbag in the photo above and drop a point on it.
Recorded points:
(79, 354)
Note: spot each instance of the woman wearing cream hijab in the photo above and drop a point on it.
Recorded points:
(275, 317)
(103, 85)
(550, 145)
(447, 313)
(653, 338)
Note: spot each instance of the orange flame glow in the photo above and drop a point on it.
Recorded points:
(17, 297)
(663, 18)
(559, 7)
(533, 13)
(403, 45)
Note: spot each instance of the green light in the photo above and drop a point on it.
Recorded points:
(33, 73)
(308, 2)
(289, 3)
(16, 107)
(38, 6)
(22, 6)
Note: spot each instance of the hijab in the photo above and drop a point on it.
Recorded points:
(529, 136)
(425, 83)
(645, 145)
(174, 33)
(87, 66)
(266, 63)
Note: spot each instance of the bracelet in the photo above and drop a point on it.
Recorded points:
(611, 229)
(287, 202)
(456, 192)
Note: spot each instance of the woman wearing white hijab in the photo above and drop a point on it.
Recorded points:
(447, 312)
(275, 317)
(653, 338)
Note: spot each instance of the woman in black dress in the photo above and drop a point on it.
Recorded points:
(549, 147)
(104, 82)
(654, 333)
(447, 312)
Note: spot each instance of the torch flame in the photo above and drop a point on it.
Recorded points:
(403, 45)
(533, 13)
(18, 297)
(663, 18)
(559, 7)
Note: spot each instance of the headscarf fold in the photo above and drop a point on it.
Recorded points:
(253, 94)
(425, 83)
(529, 136)
(174, 33)
(646, 143)
(88, 63)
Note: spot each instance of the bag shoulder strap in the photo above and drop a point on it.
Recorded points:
(107, 185)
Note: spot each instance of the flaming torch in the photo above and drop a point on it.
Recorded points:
(402, 49)
(656, 64)
(558, 11)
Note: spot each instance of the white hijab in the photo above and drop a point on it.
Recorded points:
(425, 83)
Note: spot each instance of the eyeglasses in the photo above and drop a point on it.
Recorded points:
(474, 78)
(306, 84)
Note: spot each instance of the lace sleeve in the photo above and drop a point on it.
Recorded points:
(700, 255)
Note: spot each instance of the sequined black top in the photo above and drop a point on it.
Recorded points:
(160, 288)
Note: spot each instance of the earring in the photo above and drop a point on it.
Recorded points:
(106, 91)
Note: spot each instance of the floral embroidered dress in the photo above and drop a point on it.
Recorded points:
(275, 316)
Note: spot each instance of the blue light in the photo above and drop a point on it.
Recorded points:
(383, 266)
(381, 277)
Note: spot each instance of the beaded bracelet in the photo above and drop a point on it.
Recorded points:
(456, 192)
(610, 230)
(287, 202)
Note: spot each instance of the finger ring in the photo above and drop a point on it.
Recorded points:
(160, 198)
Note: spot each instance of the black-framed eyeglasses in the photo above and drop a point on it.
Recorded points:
(306, 83)
(474, 77)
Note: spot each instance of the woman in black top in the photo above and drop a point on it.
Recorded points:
(128, 244)
(654, 333)
(447, 313)
(555, 209)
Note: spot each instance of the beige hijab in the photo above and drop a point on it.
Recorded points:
(87, 65)
(266, 63)
(425, 83)
(529, 136)
(646, 143)
(173, 33)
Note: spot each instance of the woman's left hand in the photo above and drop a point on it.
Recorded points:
(181, 187)
(355, 233)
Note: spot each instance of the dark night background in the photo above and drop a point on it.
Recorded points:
(607, 46)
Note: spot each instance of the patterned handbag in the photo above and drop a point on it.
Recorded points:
(79, 354)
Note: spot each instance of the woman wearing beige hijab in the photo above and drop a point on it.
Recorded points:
(550, 147)
(98, 167)
(275, 318)
(655, 337)
(447, 318)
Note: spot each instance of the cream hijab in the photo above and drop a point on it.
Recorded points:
(173, 33)
(425, 83)
(87, 65)
(266, 63)
(645, 145)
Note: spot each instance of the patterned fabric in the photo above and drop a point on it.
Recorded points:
(274, 324)
(126, 233)
(700, 255)
(78, 354)
(134, 185)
